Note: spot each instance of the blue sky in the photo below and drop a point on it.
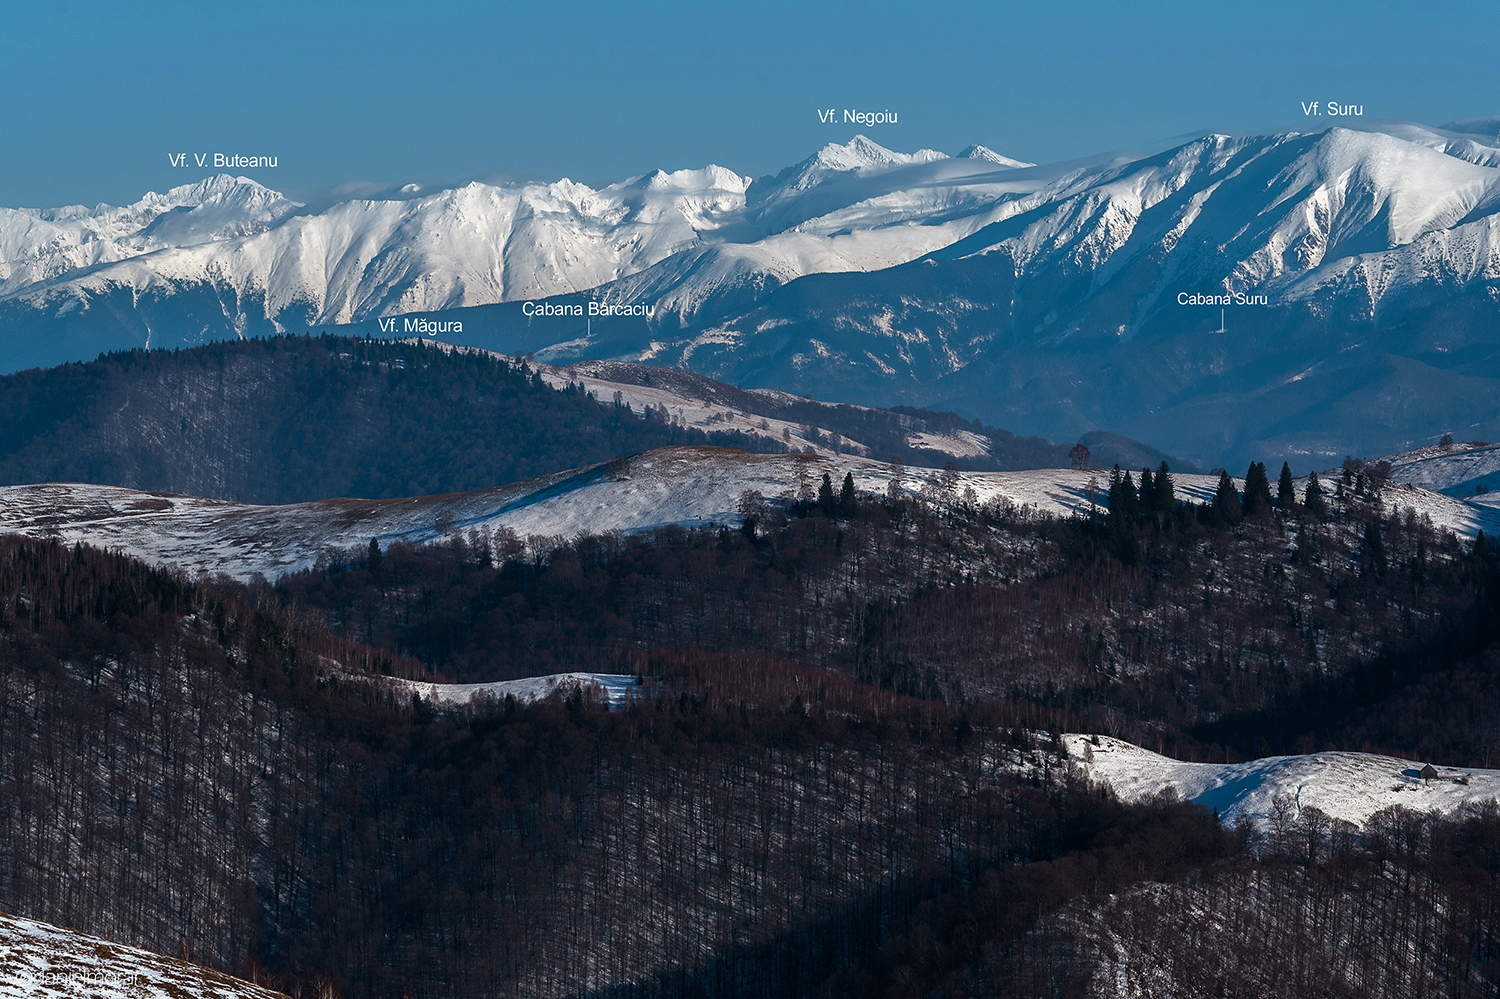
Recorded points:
(95, 96)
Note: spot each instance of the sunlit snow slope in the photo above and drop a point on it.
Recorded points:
(681, 485)
(1467, 470)
(40, 961)
(1348, 786)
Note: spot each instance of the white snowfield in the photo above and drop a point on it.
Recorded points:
(1456, 469)
(614, 688)
(1464, 517)
(41, 961)
(690, 486)
(1294, 215)
(1348, 786)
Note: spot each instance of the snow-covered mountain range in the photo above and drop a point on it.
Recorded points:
(1299, 294)
(481, 244)
(1291, 215)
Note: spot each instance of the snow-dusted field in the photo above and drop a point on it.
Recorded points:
(1457, 470)
(1465, 517)
(698, 413)
(681, 485)
(1348, 786)
(615, 688)
(40, 961)
(684, 485)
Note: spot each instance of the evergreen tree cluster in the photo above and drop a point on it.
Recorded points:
(1130, 505)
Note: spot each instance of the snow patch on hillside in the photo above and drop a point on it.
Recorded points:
(1348, 786)
(1464, 517)
(961, 444)
(614, 689)
(1456, 470)
(41, 961)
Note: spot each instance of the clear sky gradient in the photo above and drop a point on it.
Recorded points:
(94, 96)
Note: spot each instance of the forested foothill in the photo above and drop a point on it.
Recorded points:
(1251, 624)
(843, 785)
(290, 419)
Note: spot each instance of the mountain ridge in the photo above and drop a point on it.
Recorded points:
(1358, 273)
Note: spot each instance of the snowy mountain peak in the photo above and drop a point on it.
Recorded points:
(862, 153)
(218, 187)
(221, 207)
(860, 156)
(709, 178)
(978, 152)
(40, 245)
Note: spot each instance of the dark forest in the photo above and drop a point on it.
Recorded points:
(837, 781)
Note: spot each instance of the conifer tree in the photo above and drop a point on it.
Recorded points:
(1286, 490)
(1166, 497)
(825, 495)
(1312, 497)
(1123, 501)
(1148, 492)
(1124, 511)
(1257, 491)
(1227, 500)
(846, 496)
